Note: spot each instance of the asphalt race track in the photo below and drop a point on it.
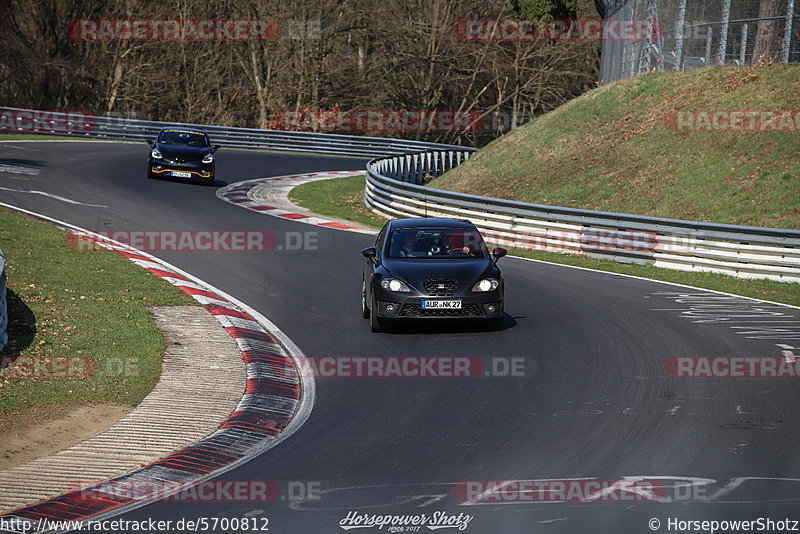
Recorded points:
(594, 402)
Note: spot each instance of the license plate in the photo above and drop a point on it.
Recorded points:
(441, 304)
(182, 174)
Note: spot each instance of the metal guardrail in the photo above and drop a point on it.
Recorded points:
(3, 305)
(393, 189)
(742, 251)
(82, 125)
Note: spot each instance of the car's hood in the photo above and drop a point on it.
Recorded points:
(417, 271)
(190, 153)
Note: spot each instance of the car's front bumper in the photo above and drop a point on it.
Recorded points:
(198, 170)
(488, 305)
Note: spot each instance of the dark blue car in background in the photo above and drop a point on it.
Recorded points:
(182, 153)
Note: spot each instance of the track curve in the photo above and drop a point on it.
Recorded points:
(595, 401)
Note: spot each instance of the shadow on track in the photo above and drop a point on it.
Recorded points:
(447, 326)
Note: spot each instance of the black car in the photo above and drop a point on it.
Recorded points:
(431, 269)
(182, 153)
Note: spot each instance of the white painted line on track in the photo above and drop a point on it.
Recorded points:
(51, 195)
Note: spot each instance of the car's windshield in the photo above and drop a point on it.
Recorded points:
(184, 138)
(435, 243)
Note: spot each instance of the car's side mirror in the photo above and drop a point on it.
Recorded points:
(151, 142)
(369, 252)
(214, 148)
(498, 252)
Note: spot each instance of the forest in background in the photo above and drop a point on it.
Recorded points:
(330, 55)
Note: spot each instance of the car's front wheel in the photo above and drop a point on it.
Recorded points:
(376, 323)
(364, 306)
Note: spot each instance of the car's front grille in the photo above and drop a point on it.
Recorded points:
(416, 310)
(440, 287)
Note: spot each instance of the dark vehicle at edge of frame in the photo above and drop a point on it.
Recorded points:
(182, 153)
(433, 268)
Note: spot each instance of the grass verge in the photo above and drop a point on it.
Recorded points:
(340, 198)
(89, 307)
(620, 148)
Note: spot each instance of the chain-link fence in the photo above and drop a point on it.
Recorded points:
(689, 34)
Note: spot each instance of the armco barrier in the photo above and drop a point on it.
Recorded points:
(3, 305)
(86, 125)
(392, 190)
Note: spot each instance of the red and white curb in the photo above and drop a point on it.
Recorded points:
(276, 202)
(277, 401)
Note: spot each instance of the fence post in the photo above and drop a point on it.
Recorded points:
(723, 34)
(709, 37)
(655, 26)
(787, 32)
(628, 49)
(743, 48)
(679, 29)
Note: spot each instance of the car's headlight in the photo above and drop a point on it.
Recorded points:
(487, 284)
(392, 284)
(208, 158)
(156, 154)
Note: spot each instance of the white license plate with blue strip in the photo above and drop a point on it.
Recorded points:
(441, 304)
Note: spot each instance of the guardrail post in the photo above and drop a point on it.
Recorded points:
(403, 175)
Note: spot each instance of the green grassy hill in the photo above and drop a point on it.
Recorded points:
(617, 148)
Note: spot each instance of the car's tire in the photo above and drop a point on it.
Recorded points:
(376, 323)
(364, 306)
(209, 180)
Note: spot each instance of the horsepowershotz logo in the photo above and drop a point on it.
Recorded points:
(402, 523)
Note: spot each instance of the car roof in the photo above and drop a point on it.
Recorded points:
(182, 130)
(432, 223)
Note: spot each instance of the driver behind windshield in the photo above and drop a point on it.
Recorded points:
(454, 244)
